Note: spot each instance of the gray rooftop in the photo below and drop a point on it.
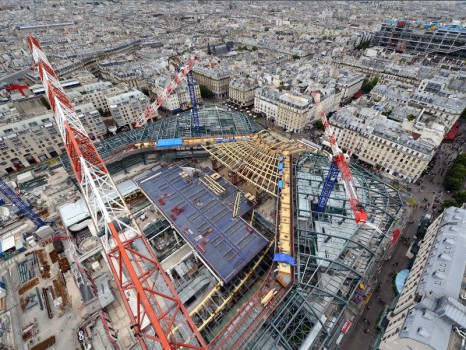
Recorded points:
(431, 321)
(361, 121)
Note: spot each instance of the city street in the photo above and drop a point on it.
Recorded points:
(430, 186)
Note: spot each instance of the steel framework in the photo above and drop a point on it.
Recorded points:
(333, 256)
(192, 96)
(20, 204)
(158, 317)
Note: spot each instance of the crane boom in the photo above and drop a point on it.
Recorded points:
(159, 318)
(153, 107)
(20, 204)
(340, 160)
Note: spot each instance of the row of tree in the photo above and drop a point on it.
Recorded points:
(245, 48)
(455, 176)
(368, 85)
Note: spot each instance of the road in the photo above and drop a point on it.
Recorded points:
(430, 187)
(12, 302)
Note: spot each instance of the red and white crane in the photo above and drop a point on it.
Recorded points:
(159, 318)
(162, 98)
(339, 158)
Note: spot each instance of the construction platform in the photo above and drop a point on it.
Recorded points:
(200, 204)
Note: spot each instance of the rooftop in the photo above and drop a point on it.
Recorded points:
(224, 243)
(441, 286)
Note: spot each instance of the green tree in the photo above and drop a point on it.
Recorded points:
(254, 48)
(460, 197)
(295, 57)
(319, 125)
(411, 117)
(463, 114)
(205, 91)
(364, 45)
(452, 183)
(368, 85)
(449, 203)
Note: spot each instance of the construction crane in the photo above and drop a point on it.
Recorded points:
(18, 87)
(158, 317)
(153, 107)
(339, 165)
(192, 96)
(20, 204)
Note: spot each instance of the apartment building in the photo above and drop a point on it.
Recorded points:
(381, 142)
(217, 80)
(179, 99)
(414, 36)
(286, 110)
(290, 111)
(241, 91)
(97, 94)
(26, 140)
(432, 304)
(446, 107)
(127, 107)
(91, 119)
(349, 83)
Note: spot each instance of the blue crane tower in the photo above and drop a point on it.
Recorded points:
(192, 96)
(327, 189)
(20, 204)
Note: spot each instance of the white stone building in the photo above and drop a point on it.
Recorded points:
(431, 305)
(25, 141)
(97, 93)
(127, 107)
(242, 91)
(217, 80)
(381, 142)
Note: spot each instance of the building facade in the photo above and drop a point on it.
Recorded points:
(26, 140)
(216, 80)
(380, 142)
(432, 304)
(349, 83)
(241, 91)
(286, 110)
(414, 36)
(289, 111)
(91, 119)
(97, 94)
(127, 107)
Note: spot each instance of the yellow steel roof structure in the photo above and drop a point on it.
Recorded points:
(256, 159)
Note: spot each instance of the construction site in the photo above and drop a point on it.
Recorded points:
(202, 230)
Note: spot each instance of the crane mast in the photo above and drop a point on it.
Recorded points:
(159, 318)
(339, 161)
(153, 107)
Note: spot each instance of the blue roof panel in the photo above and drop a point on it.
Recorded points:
(205, 219)
(169, 142)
